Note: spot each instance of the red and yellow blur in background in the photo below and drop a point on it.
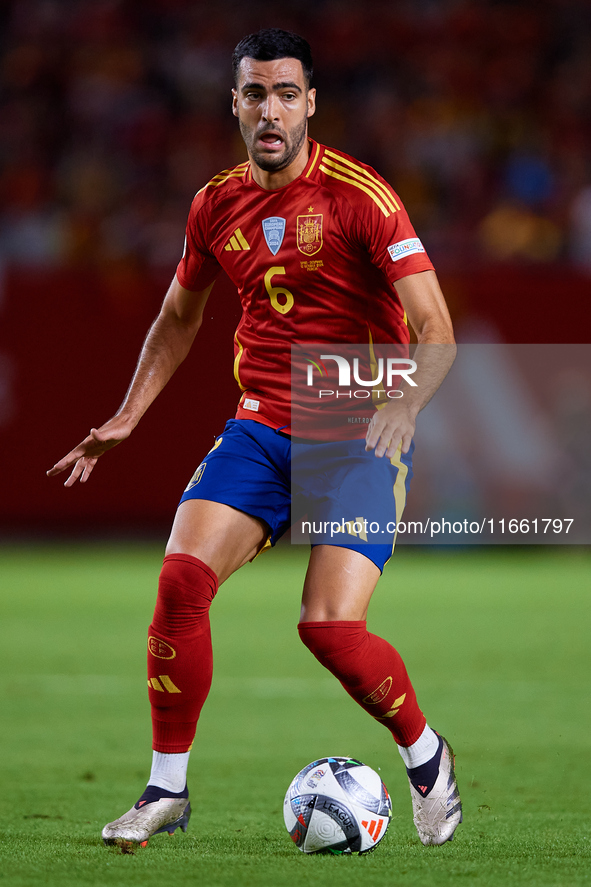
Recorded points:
(113, 114)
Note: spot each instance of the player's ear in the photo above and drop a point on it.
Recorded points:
(311, 102)
(234, 103)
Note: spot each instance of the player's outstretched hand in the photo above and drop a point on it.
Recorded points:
(84, 457)
(388, 427)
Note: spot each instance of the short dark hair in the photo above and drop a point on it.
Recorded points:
(273, 43)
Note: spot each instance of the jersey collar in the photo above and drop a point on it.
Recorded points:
(313, 157)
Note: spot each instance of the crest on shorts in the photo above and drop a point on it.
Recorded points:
(274, 231)
(199, 473)
(309, 230)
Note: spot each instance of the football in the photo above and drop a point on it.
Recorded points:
(337, 805)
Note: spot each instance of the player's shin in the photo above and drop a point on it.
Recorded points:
(180, 659)
(371, 671)
(179, 678)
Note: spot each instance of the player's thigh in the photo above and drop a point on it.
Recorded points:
(222, 537)
(338, 586)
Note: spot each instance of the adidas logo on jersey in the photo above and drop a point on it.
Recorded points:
(237, 241)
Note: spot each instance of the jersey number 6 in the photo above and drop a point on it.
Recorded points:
(275, 291)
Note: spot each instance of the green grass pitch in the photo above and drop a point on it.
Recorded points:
(497, 644)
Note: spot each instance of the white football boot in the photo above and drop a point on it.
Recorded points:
(438, 814)
(151, 818)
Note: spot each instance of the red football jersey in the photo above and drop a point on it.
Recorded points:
(314, 261)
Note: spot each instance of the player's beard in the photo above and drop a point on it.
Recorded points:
(292, 140)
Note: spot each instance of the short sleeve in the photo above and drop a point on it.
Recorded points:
(390, 239)
(198, 267)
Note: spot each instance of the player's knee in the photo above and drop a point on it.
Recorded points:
(186, 589)
(331, 642)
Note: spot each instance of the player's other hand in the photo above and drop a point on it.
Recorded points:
(388, 427)
(84, 457)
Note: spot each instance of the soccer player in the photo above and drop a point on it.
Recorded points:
(320, 249)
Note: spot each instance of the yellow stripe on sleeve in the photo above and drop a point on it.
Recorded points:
(350, 181)
(231, 175)
(313, 164)
(235, 173)
(358, 171)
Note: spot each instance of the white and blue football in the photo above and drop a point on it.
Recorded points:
(337, 805)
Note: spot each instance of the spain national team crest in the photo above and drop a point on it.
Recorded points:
(309, 230)
(197, 476)
(274, 231)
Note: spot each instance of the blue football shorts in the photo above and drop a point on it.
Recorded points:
(332, 493)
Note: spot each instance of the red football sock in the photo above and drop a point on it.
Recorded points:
(180, 658)
(371, 671)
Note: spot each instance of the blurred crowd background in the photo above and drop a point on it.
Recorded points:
(113, 113)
